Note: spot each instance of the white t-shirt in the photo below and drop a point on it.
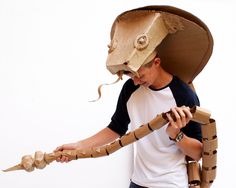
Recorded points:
(158, 162)
(157, 158)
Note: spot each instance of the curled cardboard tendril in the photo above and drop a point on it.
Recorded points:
(119, 74)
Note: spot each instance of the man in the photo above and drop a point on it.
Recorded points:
(134, 51)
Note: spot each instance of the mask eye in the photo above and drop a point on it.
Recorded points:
(141, 42)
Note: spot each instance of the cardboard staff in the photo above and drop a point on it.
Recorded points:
(200, 115)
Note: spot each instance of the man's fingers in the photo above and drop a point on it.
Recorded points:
(177, 113)
(63, 159)
(172, 121)
(186, 110)
(169, 118)
(182, 115)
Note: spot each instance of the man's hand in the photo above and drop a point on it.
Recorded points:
(182, 116)
(70, 146)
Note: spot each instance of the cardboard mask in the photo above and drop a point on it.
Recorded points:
(182, 41)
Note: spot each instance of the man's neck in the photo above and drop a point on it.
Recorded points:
(164, 78)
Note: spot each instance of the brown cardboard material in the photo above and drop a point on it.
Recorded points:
(209, 155)
(194, 177)
(182, 41)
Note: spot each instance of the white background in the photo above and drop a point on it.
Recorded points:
(52, 58)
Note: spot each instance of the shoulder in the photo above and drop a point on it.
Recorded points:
(127, 89)
(178, 84)
(183, 94)
(129, 85)
(120, 119)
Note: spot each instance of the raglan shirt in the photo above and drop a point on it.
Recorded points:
(158, 161)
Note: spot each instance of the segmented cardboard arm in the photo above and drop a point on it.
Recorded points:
(200, 115)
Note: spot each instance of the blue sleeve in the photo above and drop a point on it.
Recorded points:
(120, 119)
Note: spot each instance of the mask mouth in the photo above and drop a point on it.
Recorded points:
(129, 72)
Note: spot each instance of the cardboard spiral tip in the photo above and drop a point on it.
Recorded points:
(17, 167)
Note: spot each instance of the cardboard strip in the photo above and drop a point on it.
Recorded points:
(209, 130)
(209, 161)
(209, 146)
(193, 169)
(200, 115)
(128, 139)
(208, 175)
